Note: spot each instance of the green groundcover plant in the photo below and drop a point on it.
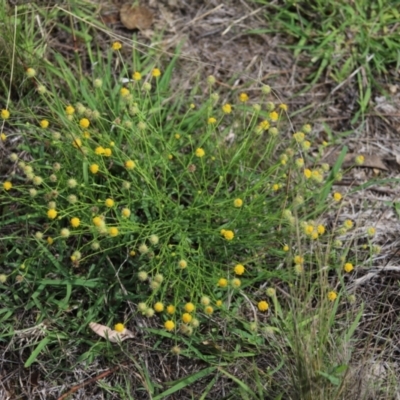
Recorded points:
(187, 203)
(191, 208)
(341, 39)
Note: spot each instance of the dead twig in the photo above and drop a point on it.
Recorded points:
(89, 381)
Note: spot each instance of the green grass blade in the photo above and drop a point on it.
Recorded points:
(32, 358)
(185, 382)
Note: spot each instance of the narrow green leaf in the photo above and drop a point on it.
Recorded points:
(34, 355)
(333, 379)
(239, 382)
(354, 325)
(185, 382)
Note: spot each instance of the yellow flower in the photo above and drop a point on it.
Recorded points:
(177, 136)
(158, 307)
(77, 143)
(137, 76)
(337, 196)
(348, 224)
(182, 264)
(275, 187)
(189, 307)
(348, 267)
(264, 125)
(307, 173)
(274, 116)
(186, 318)
(306, 145)
(113, 231)
(129, 164)
(228, 235)
(109, 203)
(222, 282)
(75, 222)
(309, 229)
(283, 107)
(332, 296)
(99, 150)
(243, 97)
(236, 282)
(69, 110)
(126, 212)
(237, 203)
(239, 269)
(227, 108)
(124, 92)
(211, 121)
(218, 303)
(116, 46)
(371, 231)
(208, 310)
(50, 240)
(44, 123)
(94, 168)
(200, 152)
(169, 325)
(298, 260)
(286, 248)
(107, 152)
(84, 123)
(7, 185)
(119, 327)
(5, 114)
(299, 137)
(300, 162)
(3, 137)
(155, 73)
(52, 213)
(263, 305)
(360, 160)
(98, 221)
(171, 309)
(321, 229)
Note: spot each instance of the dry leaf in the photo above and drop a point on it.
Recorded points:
(135, 17)
(108, 333)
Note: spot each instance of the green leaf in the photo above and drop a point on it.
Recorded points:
(239, 382)
(32, 358)
(185, 382)
(333, 379)
(354, 325)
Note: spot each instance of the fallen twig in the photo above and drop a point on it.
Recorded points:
(89, 381)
